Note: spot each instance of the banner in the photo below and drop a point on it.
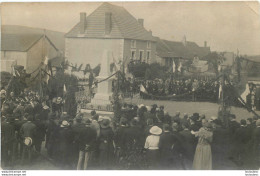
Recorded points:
(142, 89)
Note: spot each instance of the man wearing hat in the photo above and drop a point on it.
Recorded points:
(77, 126)
(64, 144)
(256, 145)
(8, 141)
(28, 131)
(86, 141)
(188, 143)
(242, 137)
(105, 141)
(120, 142)
(40, 133)
(168, 144)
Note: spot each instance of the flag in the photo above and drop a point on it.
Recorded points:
(142, 89)
(220, 91)
(173, 66)
(64, 88)
(219, 68)
(46, 60)
(245, 93)
(180, 66)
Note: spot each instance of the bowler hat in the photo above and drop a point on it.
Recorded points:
(105, 123)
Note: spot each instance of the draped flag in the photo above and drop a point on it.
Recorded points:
(245, 93)
(173, 66)
(142, 89)
(220, 91)
(180, 66)
(46, 60)
(64, 88)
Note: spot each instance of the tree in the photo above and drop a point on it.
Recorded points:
(214, 60)
(137, 69)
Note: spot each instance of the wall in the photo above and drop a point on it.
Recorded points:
(90, 50)
(140, 45)
(36, 54)
(7, 57)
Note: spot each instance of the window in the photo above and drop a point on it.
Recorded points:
(148, 55)
(133, 43)
(148, 44)
(133, 54)
(141, 55)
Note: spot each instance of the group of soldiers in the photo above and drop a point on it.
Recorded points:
(142, 137)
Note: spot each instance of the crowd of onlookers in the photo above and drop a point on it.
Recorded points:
(143, 137)
(204, 89)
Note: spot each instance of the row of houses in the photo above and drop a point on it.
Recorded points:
(109, 27)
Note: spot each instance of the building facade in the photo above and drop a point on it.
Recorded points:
(112, 28)
(26, 49)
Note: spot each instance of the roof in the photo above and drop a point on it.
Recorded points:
(21, 38)
(124, 25)
(255, 59)
(166, 48)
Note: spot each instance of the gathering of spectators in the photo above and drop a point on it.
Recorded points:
(144, 137)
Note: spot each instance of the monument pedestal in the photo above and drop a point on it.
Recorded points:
(104, 92)
(103, 97)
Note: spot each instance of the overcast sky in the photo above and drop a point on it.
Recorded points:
(226, 26)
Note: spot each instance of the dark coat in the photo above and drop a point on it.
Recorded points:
(87, 136)
(7, 133)
(64, 145)
(28, 129)
(256, 146)
(120, 137)
(220, 145)
(40, 130)
(233, 126)
(106, 149)
(188, 143)
(241, 138)
(166, 144)
(194, 127)
(44, 114)
(134, 137)
(77, 129)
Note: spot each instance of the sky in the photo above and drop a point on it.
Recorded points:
(226, 26)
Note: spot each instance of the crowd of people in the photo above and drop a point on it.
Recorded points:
(144, 137)
(204, 89)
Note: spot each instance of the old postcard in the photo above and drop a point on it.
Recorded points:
(130, 86)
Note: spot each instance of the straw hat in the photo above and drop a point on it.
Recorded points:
(156, 130)
(45, 107)
(149, 108)
(59, 99)
(64, 123)
(28, 141)
(140, 105)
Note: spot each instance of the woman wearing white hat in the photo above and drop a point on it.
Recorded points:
(152, 146)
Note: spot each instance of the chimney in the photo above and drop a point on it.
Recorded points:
(141, 22)
(205, 44)
(108, 23)
(83, 22)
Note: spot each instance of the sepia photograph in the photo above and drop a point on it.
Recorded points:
(130, 85)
